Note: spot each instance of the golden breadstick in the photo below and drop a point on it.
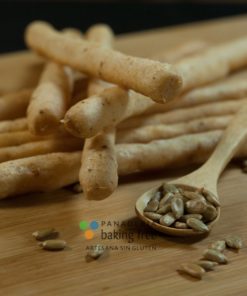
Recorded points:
(213, 63)
(98, 173)
(181, 51)
(19, 124)
(49, 100)
(38, 173)
(14, 105)
(152, 78)
(114, 105)
(165, 153)
(39, 147)
(184, 115)
(161, 131)
(230, 88)
(18, 138)
(88, 117)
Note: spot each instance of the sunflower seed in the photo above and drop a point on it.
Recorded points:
(195, 206)
(170, 188)
(207, 265)
(193, 195)
(192, 269)
(153, 216)
(96, 252)
(180, 225)
(177, 206)
(53, 244)
(197, 225)
(219, 245)
(210, 197)
(152, 206)
(167, 219)
(44, 233)
(187, 216)
(234, 242)
(216, 256)
(165, 209)
(166, 199)
(210, 213)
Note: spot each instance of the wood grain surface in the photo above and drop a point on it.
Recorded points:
(140, 262)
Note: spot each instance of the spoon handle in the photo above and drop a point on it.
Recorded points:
(233, 137)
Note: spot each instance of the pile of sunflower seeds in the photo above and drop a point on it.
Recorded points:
(212, 257)
(180, 208)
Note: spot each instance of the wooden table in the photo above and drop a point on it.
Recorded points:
(140, 262)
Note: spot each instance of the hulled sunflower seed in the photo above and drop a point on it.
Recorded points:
(180, 225)
(197, 225)
(234, 242)
(193, 195)
(219, 245)
(166, 199)
(152, 205)
(170, 188)
(165, 209)
(206, 264)
(210, 213)
(53, 244)
(187, 216)
(177, 206)
(44, 233)
(210, 197)
(96, 252)
(192, 269)
(216, 256)
(196, 206)
(167, 219)
(153, 216)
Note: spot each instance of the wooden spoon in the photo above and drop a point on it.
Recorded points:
(206, 176)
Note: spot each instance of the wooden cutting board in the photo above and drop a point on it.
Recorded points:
(140, 261)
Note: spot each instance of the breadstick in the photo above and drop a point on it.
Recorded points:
(49, 100)
(17, 138)
(98, 173)
(14, 105)
(55, 170)
(213, 63)
(113, 105)
(231, 88)
(39, 147)
(38, 173)
(181, 51)
(161, 131)
(151, 78)
(19, 124)
(184, 115)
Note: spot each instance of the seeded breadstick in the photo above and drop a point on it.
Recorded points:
(17, 138)
(98, 173)
(19, 124)
(151, 78)
(49, 100)
(177, 53)
(39, 147)
(38, 173)
(213, 63)
(184, 115)
(56, 170)
(149, 133)
(230, 88)
(14, 105)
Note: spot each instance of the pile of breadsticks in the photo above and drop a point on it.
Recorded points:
(137, 115)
